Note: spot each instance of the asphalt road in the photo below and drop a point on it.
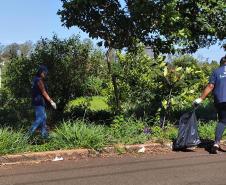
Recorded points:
(191, 168)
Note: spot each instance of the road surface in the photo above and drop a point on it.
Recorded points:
(182, 168)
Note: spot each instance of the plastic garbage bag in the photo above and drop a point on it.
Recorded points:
(188, 132)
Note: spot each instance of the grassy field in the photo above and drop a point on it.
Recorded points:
(95, 103)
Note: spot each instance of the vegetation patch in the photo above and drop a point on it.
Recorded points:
(12, 141)
(78, 134)
(94, 103)
(84, 134)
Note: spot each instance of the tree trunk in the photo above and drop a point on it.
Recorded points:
(168, 107)
(110, 59)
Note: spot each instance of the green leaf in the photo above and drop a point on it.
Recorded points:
(179, 68)
(164, 104)
(165, 71)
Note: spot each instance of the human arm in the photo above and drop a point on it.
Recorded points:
(205, 93)
(209, 88)
(41, 87)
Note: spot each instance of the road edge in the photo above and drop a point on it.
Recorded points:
(75, 154)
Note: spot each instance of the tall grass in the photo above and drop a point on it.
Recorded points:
(12, 141)
(81, 134)
(78, 134)
(127, 131)
(168, 133)
(207, 130)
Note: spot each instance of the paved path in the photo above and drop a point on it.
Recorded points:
(191, 168)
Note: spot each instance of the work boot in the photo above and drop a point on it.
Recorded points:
(215, 149)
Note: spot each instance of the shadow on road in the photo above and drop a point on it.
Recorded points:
(206, 144)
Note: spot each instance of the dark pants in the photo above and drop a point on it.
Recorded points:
(221, 111)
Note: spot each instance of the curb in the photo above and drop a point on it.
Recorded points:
(75, 154)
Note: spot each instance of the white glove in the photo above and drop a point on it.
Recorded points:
(198, 101)
(53, 104)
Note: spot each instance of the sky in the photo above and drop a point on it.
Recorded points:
(23, 20)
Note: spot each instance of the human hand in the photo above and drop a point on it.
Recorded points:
(53, 104)
(198, 101)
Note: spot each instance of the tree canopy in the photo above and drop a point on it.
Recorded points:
(165, 25)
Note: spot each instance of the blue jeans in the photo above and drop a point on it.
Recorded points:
(219, 132)
(40, 121)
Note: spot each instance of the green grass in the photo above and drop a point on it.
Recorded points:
(167, 134)
(207, 130)
(81, 134)
(97, 103)
(78, 134)
(12, 141)
(127, 131)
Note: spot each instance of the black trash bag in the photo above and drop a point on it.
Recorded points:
(188, 132)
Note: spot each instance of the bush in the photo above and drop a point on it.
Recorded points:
(78, 134)
(16, 113)
(168, 133)
(156, 88)
(11, 141)
(93, 86)
(127, 131)
(71, 64)
(207, 130)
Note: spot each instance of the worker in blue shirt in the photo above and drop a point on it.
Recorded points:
(217, 84)
(40, 98)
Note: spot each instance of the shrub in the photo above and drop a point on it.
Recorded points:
(168, 133)
(93, 86)
(207, 130)
(156, 88)
(127, 131)
(70, 63)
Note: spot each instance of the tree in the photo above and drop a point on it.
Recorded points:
(26, 48)
(69, 62)
(164, 25)
(10, 51)
(1, 50)
(14, 50)
(152, 87)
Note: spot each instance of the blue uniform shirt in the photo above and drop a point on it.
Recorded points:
(37, 97)
(218, 78)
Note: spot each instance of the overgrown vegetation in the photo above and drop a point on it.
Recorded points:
(79, 135)
(82, 134)
(152, 93)
(12, 141)
(76, 68)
